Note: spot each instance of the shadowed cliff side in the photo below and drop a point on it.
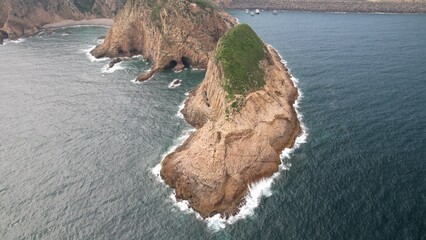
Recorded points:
(25, 17)
(244, 115)
(171, 34)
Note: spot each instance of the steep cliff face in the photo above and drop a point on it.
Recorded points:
(25, 17)
(244, 115)
(168, 33)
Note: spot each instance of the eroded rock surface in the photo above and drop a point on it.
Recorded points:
(25, 17)
(171, 34)
(240, 134)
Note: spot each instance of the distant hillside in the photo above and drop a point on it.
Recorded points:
(25, 17)
(391, 6)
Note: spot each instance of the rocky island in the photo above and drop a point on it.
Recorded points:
(244, 115)
(170, 34)
(243, 110)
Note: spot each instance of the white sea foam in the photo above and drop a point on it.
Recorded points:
(19, 40)
(172, 85)
(263, 187)
(140, 82)
(156, 170)
(117, 66)
(135, 80)
(90, 56)
(181, 107)
(198, 69)
(138, 56)
(257, 190)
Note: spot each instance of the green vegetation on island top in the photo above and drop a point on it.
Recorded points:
(204, 3)
(239, 53)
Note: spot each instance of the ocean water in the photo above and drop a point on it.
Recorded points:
(78, 142)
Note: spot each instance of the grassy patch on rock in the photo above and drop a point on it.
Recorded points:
(240, 52)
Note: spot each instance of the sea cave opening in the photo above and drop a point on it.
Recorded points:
(4, 34)
(172, 64)
(186, 62)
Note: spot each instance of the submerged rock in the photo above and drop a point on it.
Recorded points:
(145, 76)
(114, 61)
(3, 35)
(175, 83)
(244, 115)
(169, 34)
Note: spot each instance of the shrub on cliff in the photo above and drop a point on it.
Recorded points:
(239, 53)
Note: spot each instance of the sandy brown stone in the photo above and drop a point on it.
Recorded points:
(168, 34)
(213, 168)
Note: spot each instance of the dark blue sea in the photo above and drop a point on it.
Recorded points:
(78, 143)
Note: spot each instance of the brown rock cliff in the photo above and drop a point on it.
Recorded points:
(25, 17)
(168, 33)
(214, 167)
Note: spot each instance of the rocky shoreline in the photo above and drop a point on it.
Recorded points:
(20, 18)
(169, 36)
(243, 110)
(232, 147)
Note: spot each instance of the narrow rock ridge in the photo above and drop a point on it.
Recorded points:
(25, 17)
(234, 144)
(170, 34)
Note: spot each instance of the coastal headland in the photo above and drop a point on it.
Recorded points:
(243, 110)
(244, 115)
(169, 35)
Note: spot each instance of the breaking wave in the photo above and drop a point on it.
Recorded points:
(117, 66)
(90, 56)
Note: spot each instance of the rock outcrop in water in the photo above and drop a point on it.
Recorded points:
(25, 17)
(244, 115)
(168, 33)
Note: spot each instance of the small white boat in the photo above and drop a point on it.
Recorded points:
(252, 13)
(275, 12)
(257, 11)
(247, 11)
